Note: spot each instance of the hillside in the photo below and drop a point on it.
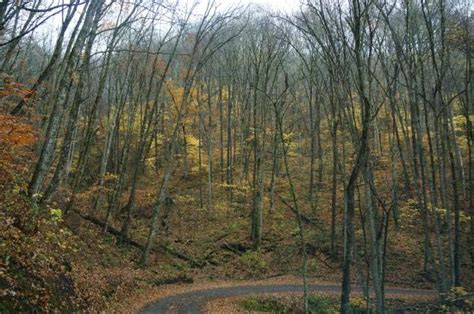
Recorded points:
(146, 148)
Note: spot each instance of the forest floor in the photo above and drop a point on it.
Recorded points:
(66, 262)
(69, 263)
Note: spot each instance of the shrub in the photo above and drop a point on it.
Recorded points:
(263, 304)
(458, 298)
(254, 262)
(322, 305)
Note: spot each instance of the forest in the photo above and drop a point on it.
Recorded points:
(155, 147)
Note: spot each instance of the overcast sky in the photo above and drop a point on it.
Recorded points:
(283, 5)
(286, 6)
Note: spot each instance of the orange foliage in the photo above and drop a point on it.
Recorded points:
(16, 139)
(10, 87)
(14, 132)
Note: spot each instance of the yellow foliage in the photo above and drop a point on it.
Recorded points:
(192, 141)
(458, 291)
(110, 176)
(358, 302)
(56, 215)
(409, 212)
(228, 186)
(175, 91)
(186, 199)
(192, 145)
(459, 122)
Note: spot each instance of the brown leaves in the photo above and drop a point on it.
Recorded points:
(16, 136)
(10, 87)
(15, 132)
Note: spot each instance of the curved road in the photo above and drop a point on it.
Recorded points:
(191, 302)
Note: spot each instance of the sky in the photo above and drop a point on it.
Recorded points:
(286, 6)
(283, 5)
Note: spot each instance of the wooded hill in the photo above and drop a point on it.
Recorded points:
(143, 141)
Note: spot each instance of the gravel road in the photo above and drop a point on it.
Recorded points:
(191, 302)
